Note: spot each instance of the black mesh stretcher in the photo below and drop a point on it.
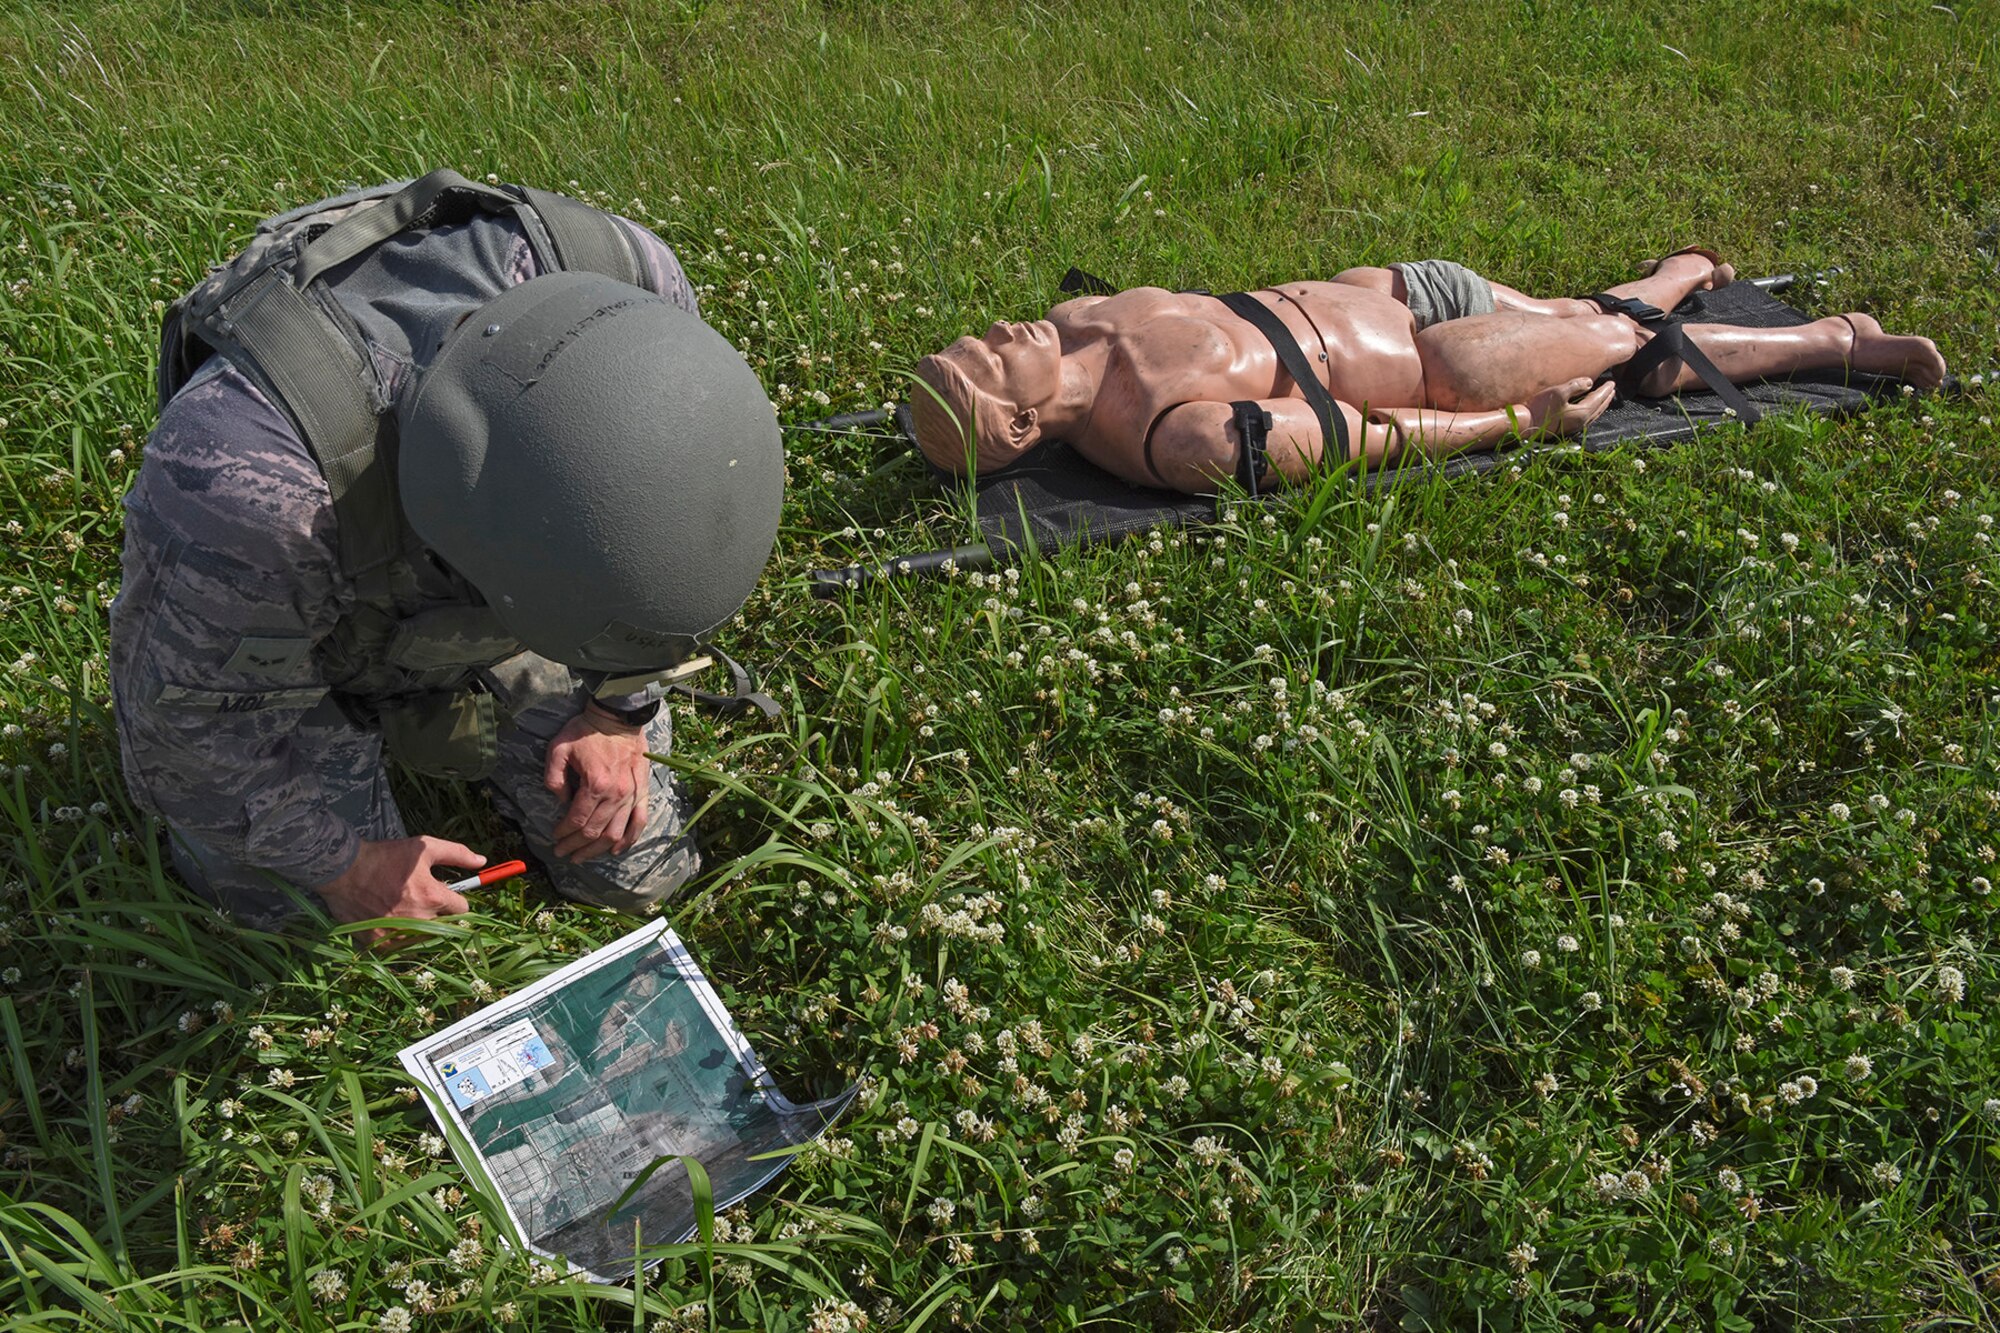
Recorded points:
(1052, 497)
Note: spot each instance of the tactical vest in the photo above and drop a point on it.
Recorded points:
(412, 655)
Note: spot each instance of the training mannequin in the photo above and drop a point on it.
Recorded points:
(1162, 388)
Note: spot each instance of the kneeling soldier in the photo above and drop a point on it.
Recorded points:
(449, 470)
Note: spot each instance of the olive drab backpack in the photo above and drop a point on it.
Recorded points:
(270, 311)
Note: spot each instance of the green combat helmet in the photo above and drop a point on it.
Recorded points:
(600, 464)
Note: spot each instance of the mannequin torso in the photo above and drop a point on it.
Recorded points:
(1163, 349)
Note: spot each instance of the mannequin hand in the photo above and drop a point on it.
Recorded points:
(1565, 409)
(601, 764)
(394, 879)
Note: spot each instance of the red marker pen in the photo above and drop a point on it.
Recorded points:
(490, 875)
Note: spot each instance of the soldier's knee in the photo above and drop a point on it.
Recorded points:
(632, 882)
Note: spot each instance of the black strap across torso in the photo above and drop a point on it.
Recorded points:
(1332, 424)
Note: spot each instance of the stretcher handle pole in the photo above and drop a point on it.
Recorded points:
(834, 582)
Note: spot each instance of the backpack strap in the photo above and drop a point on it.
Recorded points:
(587, 240)
(1332, 425)
(322, 380)
(413, 206)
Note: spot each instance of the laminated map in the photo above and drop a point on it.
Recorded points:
(568, 1091)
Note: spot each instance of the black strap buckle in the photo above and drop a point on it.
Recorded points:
(1253, 433)
(1628, 307)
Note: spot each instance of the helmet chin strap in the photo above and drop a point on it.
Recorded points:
(611, 687)
(743, 697)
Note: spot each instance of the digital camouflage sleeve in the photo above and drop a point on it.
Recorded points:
(231, 574)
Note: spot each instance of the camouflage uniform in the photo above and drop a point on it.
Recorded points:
(228, 723)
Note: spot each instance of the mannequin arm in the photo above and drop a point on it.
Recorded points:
(1195, 445)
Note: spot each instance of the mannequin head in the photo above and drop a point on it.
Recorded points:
(984, 399)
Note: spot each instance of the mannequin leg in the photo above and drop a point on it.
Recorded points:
(1853, 341)
(1670, 283)
(1491, 361)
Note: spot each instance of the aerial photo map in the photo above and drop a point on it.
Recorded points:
(571, 1088)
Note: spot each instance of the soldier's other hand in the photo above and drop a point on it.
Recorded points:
(1566, 409)
(394, 878)
(600, 763)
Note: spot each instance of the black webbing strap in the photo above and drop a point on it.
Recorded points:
(322, 381)
(409, 207)
(1253, 434)
(1626, 306)
(745, 695)
(588, 240)
(1669, 341)
(1332, 425)
(1076, 280)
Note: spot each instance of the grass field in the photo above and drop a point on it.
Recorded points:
(1555, 900)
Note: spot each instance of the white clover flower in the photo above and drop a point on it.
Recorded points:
(941, 1211)
(1839, 812)
(1858, 1066)
(1887, 1174)
(1590, 1002)
(1728, 1181)
(1567, 944)
(395, 1319)
(1950, 984)
(1532, 786)
(1531, 959)
(328, 1286)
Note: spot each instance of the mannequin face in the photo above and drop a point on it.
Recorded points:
(999, 387)
(1015, 372)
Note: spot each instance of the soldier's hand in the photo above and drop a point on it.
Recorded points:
(394, 879)
(1566, 409)
(601, 765)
